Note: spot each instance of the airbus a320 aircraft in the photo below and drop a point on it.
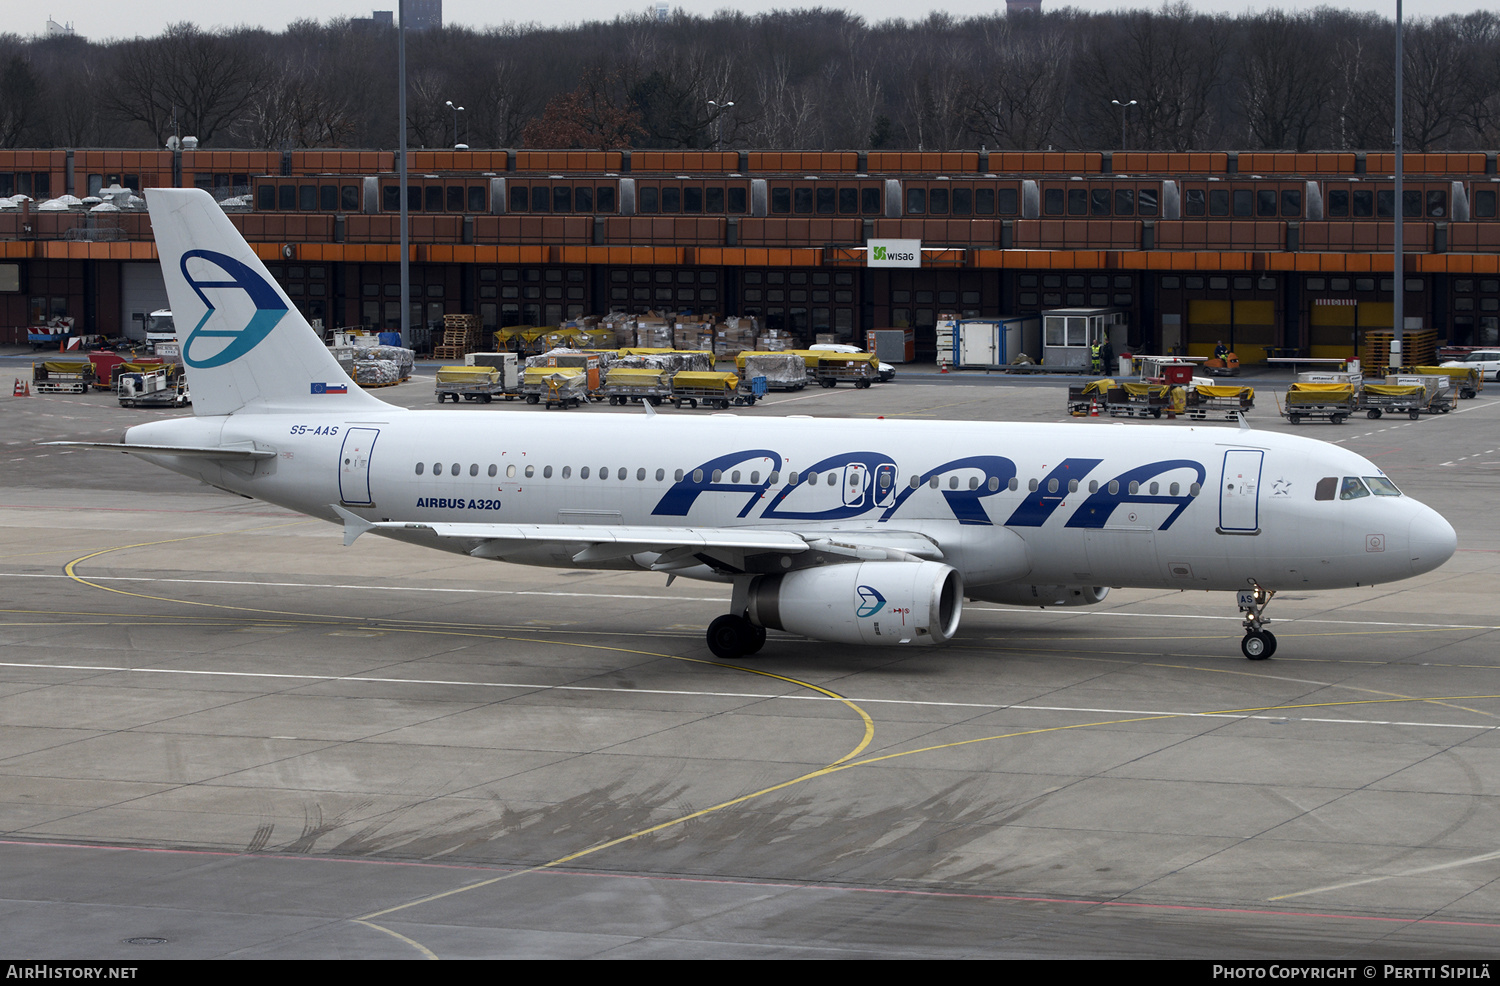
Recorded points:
(864, 532)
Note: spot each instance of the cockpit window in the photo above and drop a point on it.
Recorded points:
(1381, 486)
(1352, 489)
(1326, 487)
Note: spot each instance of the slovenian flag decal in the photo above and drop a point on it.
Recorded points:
(330, 388)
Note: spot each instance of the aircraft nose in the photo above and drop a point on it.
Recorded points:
(1431, 540)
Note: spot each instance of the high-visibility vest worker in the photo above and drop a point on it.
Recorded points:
(1094, 353)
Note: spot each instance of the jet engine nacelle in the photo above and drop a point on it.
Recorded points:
(1039, 595)
(873, 602)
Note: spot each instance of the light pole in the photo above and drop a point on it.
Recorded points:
(1123, 107)
(456, 110)
(719, 109)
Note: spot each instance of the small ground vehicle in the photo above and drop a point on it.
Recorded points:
(1486, 361)
(153, 388)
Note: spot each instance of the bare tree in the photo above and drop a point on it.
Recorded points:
(192, 80)
(1171, 63)
(1284, 79)
(1020, 97)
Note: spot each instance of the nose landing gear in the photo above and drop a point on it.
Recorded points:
(1258, 643)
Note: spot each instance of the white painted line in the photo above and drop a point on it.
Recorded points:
(795, 697)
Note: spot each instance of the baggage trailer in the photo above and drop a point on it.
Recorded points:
(1376, 399)
(471, 383)
(1229, 403)
(1085, 401)
(1468, 381)
(860, 369)
(1437, 390)
(633, 385)
(556, 386)
(1333, 402)
(715, 390)
(1137, 400)
(52, 376)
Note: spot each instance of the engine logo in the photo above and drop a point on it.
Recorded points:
(870, 601)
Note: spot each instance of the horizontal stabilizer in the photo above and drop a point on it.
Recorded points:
(243, 450)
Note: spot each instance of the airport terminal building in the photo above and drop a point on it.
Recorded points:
(1271, 253)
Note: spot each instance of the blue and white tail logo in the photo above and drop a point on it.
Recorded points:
(209, 347)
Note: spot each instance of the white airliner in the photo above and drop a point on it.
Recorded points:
(867, 531)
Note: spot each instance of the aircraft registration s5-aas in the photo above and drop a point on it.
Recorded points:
(867, 532)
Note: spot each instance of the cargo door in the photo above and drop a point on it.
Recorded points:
(354, 466)
(1239, 492)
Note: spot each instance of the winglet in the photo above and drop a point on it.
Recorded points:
(353, 526)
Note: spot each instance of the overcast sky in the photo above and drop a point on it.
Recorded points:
(100, 21)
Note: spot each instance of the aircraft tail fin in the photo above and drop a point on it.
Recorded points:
(245, 345)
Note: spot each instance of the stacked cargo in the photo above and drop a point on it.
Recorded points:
(782, 371)
(734, 335)
(460, 336)
(776, 341)
(377, 372)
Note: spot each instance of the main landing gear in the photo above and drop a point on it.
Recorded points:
(1259, 643)
(732, 636)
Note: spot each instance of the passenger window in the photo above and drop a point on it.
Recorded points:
(510, 472)
(1352, 489)
(530, 471)
(492, 469)
(437, 468)
(567, 472)
(474, 469)
(419, 468)
(546, 472)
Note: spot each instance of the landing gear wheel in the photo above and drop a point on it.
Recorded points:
(1258, 645)
(733, 637)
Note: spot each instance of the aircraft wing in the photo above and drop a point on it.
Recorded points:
(678, 547)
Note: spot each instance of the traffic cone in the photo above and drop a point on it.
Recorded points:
(1094, 409)
(21, 389)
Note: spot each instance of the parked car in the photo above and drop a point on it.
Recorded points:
(887, 371)
(1487, 361)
